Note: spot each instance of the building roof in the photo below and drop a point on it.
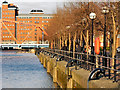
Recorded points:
(11, 6)
(35, 15)
(37, 11)
(5, 2)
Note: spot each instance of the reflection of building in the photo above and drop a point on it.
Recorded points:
(0, 25)
(19, 31)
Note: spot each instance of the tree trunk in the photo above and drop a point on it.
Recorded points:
(66, 40)
(69, 41)
(114, 40)
(74, 44)
(60, 43)
(54, 43)
(81, 39)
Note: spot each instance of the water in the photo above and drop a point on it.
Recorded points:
(23, 70)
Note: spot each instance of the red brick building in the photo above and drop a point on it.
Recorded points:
(21, 30)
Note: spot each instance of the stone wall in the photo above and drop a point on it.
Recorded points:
(71, 78)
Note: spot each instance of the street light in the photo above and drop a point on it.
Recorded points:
(92, 17)
(105, 11)
(68, 27)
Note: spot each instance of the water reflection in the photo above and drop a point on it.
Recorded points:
(23, 70)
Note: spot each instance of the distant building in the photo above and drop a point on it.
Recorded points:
(18, 30)
(0, 13)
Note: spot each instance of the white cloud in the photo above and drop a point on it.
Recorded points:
(26, 7)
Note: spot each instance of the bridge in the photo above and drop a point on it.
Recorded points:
(20, 46)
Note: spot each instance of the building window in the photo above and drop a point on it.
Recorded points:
(44, 17)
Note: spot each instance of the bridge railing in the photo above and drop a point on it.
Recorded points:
(111, 66)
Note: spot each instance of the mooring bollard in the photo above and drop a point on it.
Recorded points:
(44, 62)
(55, 74)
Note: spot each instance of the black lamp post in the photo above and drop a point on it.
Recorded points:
(92, 17)
(105, 11)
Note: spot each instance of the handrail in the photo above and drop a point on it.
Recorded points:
(88, 62)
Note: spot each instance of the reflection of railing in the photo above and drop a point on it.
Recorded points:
(26, 42)
(91, 62)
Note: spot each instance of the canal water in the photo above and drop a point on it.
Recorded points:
(23, 70)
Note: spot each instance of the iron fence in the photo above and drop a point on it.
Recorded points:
(111, 66)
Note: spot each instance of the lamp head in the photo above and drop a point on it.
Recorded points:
(92, 15)
(105, 10)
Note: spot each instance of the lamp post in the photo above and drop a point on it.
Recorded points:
(105, 11)
(92, 17)
(68, 27)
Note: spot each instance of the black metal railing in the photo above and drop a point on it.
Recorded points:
(91, 62)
